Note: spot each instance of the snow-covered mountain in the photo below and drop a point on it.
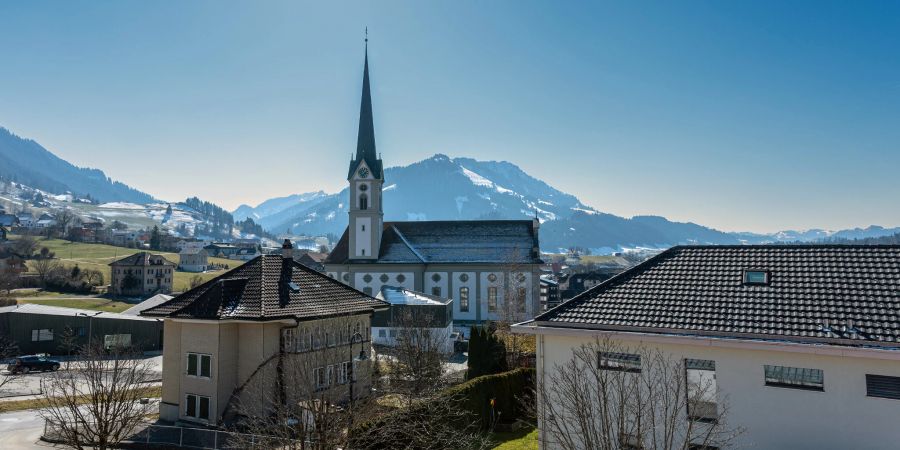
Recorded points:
(267, 213)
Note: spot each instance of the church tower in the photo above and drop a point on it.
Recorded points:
(366, 178)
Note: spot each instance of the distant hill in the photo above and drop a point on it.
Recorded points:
(26, 161)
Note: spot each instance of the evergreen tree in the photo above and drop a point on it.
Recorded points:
(487, 354)
(155, 238)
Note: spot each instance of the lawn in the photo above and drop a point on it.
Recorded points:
(95, 304)
(524, 439)
(98, 256)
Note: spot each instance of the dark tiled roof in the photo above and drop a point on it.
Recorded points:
(259, 290)
(140, 259)
(700, 290)
(453, 241)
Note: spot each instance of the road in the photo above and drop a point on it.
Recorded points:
(30, 384)
(21, 430)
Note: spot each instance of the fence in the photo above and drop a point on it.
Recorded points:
(200, 438)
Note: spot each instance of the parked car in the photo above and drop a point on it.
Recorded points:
(32, 363)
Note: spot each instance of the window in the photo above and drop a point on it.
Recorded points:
(345, 371)
(116, 341)
(756, 277)
(363, 202)
(883, 386)
(701, 389)
(436, 290)
(492, 299)
(362, 228)
(199, 365)
(197, 406)
(520, 299)
(795, 377)
(626, 362)
(317, 339)
(363, 252)
(321, 380)
(382, 333)
(464, 299)
(43, 334)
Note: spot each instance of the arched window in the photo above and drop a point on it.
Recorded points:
(363, 201)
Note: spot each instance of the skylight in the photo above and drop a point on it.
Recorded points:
(756, 277)
(294, 287)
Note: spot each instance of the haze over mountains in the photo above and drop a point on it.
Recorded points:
(437, 188)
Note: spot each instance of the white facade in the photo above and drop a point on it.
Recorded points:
(839, 417)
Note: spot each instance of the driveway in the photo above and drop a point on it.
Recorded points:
(21, 430)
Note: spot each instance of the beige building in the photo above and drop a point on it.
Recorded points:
(800, 343)
(193, 259)
(227, 339)
(140, 274)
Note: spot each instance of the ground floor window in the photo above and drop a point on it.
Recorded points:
(627, 362)
(43, 334)
(197, 406)
(382, 333)
(116, 341)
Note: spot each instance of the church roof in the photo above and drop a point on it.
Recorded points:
(365, 141)
(453, 241)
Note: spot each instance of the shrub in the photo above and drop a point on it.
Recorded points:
(471, 403)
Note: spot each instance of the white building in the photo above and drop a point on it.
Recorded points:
(490, 268)
(411, 308)
(802, 342)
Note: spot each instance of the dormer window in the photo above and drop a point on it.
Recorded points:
(756, 277)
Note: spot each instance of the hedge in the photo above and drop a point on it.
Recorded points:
(472, 397)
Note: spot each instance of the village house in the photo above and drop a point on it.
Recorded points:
(490, 268)
(312, 259)
(193, 259)
(26, 220)
(413, 310)
(221, 249)
(801, 343)
(248, 326)
(141, 274)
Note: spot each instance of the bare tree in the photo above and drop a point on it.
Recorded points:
(46, 268)
(514, 308)
(64, 219)
(9, 279)
(97, 403)
(25, 246)
(610, 397)
(93, 277)
(415, 365)
(306, 396)
(427, 425)
(8, 349)
(196, 280)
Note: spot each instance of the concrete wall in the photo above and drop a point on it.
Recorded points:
(779, 418)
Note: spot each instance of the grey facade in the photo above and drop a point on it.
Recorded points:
(39, 328)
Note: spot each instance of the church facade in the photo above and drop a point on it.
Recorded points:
(489, 268)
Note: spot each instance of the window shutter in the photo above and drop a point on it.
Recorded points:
(883, 386)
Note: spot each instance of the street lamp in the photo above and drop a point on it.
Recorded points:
(362, 357)
(90, 323)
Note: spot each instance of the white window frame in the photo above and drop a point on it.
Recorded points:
(41, 334)
(200, 358)
(195, 414)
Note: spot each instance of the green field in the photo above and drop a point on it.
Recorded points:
(526, 439)
(96, 304)
(98, 257)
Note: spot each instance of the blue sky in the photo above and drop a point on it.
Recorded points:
(739, 115)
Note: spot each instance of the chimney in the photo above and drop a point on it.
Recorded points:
(287, 250)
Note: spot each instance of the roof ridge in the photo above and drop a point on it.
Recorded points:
(403, 238)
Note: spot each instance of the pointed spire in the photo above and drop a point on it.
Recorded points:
(365, 144)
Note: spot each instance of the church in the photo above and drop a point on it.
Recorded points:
(489, 268)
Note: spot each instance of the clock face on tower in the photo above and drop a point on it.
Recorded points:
(363, 172)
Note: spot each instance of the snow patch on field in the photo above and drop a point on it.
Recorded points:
(121, 205)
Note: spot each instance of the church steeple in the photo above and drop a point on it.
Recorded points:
(366, 179)
(365, 141)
